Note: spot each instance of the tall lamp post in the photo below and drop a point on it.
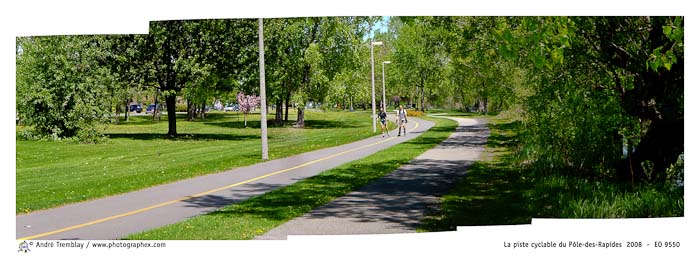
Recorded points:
(374, 107)
(263, 103)
(384, 86)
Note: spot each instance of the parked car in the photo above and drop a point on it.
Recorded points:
(229, 108)
(135, 108)
(152, 108)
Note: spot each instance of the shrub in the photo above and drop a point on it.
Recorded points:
(181, 107)
(414, 113)
(31, 135)
(59, 92)
(89, 136)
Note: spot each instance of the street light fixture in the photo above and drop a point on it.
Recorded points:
(383, 86)
(374, 107)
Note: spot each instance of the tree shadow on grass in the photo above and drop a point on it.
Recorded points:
(324, 124)
(506, 138)
(308, 124)
(489, 195)
(442, 129)
(253, 124)
(492, 193)
(138, 120)
(182, 137)
(218, 116)
(148, 119)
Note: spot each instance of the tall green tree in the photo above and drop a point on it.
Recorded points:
(124, 61)
(421, 56)
(284, 54)
(488, 80)
(306, 55)
(604, 84)
(173, 55)
(181, 54)
(62, 84)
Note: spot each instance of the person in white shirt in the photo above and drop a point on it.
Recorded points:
(402, 120)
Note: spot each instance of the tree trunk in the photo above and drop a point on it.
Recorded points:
(352, 108)
(156, 110)
(172, 121)
(345, 99)
(245, 119)
(126, 112)
(286, 108)
(190, 110)
(486, 105)
(659, 146)
(203, 111)
(422, 99)
(481, 108)
(278, 112)
(300, 118)
(116, 113)
(656, 99)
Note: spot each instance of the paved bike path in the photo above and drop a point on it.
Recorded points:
(117, 216)
(397, 202)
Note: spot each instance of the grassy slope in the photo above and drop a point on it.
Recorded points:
(257, 215)
(139, 155)
(500, 190)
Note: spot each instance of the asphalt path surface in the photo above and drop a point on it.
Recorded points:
(117, 216)
(397, 202)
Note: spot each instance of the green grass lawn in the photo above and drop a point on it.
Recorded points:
(500, 190)
(260, 214)
(139, 155)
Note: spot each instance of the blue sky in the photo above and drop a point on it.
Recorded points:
(382, 25)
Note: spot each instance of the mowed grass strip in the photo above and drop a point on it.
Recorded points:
(140, 155)
(260, 214)
(492, 192)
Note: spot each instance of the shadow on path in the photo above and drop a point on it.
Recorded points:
(401, 197)
(397, 202)
(237, 195)
(494, 193)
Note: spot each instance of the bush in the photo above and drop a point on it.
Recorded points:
(59, 92)
(31, 135)
(414, 113)
(89, 136)
(84, 136)
(181, 107)
(676, 172)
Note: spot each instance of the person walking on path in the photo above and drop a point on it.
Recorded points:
(401, 120)
(382, 121)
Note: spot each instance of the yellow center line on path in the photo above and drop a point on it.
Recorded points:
(205, 192)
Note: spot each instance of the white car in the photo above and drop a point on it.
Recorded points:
(228, 108)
